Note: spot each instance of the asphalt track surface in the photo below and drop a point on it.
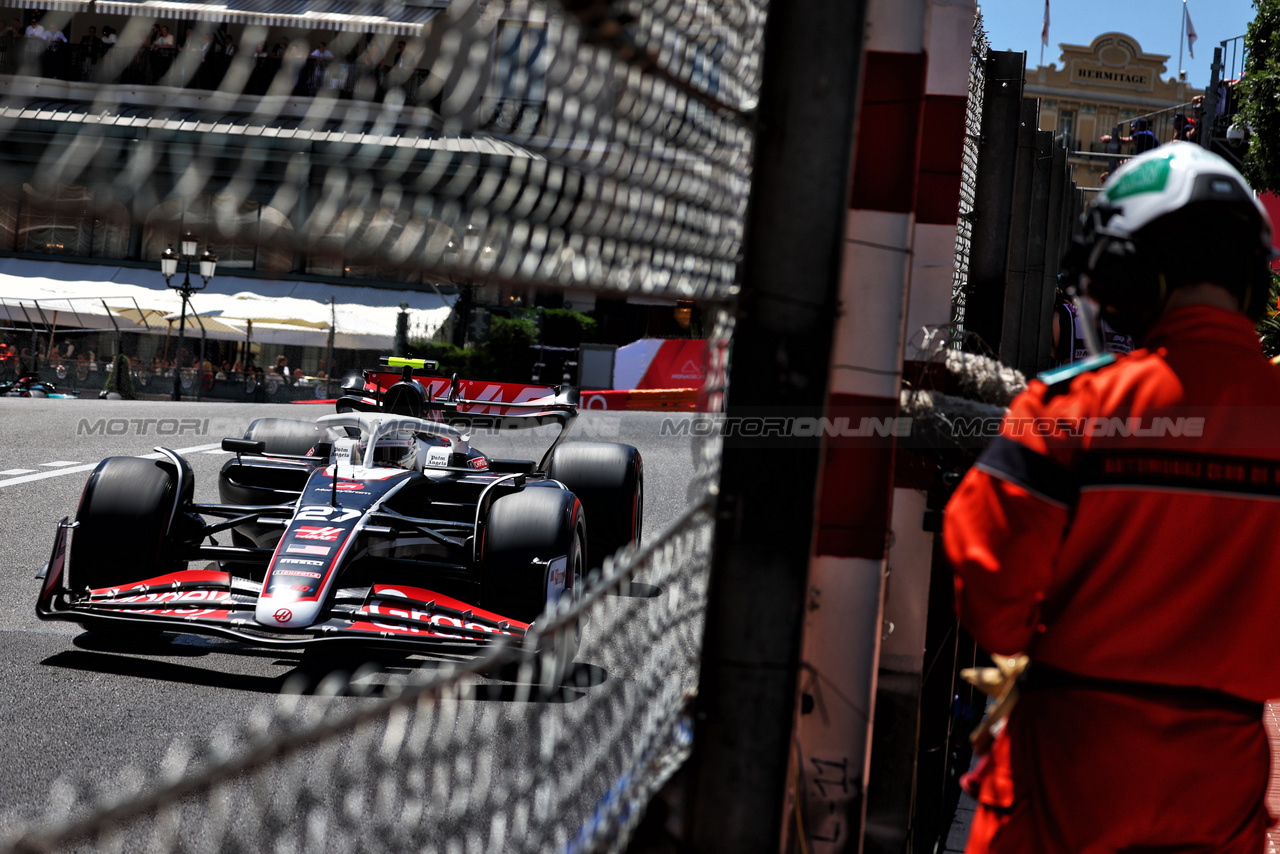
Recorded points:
(74, 705)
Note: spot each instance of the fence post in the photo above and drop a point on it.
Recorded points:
(1019, 233)
(993, 196)
(790, 278)
(1057, 236)
(1209, 124)
(1032, 299)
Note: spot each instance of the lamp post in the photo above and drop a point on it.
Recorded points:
(169, 268)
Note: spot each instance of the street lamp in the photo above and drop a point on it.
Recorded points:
(169, 268)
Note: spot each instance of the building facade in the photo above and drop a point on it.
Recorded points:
(1096, 91)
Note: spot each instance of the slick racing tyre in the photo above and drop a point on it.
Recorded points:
(533, 550)
(609, 480)
(284, 435)
(531, 538)
(123, 532)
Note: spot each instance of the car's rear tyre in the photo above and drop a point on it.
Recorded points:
(284, 435)
(123, 533)
(608, 479)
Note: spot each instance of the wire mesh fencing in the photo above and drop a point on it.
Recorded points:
(585, 145)
(969, 177)
(439, 761)
(590, 145)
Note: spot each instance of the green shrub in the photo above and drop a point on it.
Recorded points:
(564, 328)
(120, 380)
(508, 346)
(1259, 91)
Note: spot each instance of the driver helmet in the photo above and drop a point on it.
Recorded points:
(395, 450)
(1175, 216)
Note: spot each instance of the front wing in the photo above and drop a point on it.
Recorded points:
(215, 602)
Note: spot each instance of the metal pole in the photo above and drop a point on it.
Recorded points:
(1182, 37)
(790, 275)
(119, 339)
(328, 359)
(185, 291)
(1210, 119)
(204, 336)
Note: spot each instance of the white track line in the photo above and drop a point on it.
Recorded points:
(57, 464)
(26, 478)
(15, 471)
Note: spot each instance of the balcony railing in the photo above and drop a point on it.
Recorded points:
(32, 57)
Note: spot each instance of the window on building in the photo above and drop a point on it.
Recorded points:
(381, 244)
(1067, 127)
(244, 234)
(521, 72)
(63, 219)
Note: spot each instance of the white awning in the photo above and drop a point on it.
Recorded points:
(281, 312)
(341, 15)
(51, 5)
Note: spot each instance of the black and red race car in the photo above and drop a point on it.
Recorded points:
(378, 524)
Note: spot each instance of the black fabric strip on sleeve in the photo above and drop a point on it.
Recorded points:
(1016, 463)
(1172, 470)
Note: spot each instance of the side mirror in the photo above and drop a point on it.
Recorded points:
(243, 446)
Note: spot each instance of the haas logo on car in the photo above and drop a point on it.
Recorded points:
(316, 532)
(283, 615)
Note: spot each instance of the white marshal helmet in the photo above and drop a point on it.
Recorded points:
(1163, 220)
(1167, 179)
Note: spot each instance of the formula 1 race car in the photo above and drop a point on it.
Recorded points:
(379, 524)
(30, 385)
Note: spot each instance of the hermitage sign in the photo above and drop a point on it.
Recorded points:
(1098, 74)
(1112, 61)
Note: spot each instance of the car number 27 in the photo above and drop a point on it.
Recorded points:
(324, 513)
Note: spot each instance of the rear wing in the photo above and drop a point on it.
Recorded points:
(472, 404)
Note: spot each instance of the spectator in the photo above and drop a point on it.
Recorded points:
(1183, 128)
(90, 51)
(1069, 339)
(259, 394)
(282, 368)
(321, 57)
(1142, 138)
(1151, 630)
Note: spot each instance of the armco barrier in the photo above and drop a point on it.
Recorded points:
(653, 400)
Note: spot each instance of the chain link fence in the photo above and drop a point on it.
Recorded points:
(590, 145)
(436, 764)
(969, 177)
(519, 147)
